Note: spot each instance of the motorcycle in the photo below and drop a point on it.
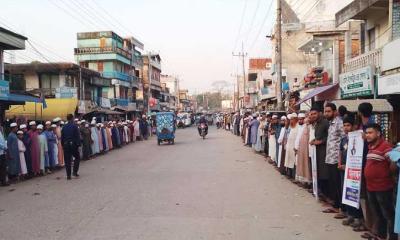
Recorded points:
(203, 130)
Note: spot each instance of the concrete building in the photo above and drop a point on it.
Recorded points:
(67, 88)
(8, 96)
(116, 58)
(172, 83)
(259, 84)
(373, 73)
(310, 45)
(151, 81)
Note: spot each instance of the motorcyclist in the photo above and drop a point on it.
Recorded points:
(202, 120)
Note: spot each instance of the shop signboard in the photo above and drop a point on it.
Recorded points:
(352, 175)
(4, 89)
(66, 92)
(357, 83)
(389, 84)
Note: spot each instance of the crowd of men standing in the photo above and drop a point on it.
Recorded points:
(35, 149)
(288, 141)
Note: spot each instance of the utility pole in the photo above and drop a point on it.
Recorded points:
(278, 54)
(242, 55)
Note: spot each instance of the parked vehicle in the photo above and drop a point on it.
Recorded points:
(165, 127)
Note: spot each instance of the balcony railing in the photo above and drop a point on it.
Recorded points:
(99, 50)
(118, 75)
(371, 58)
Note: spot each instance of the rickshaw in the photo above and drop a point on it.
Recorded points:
(165, 127)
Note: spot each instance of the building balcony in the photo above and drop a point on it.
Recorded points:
(118, 75)
(137, 62)
(373, 58)
(100, 50)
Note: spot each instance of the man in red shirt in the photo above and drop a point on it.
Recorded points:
(379, 181)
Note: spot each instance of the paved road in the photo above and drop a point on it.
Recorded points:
(197, 189)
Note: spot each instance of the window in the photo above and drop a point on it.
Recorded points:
(47, 81)
(252, 77)
(16, 81)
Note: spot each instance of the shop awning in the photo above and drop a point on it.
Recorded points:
(317, 91)
(35, 111)
(23, 98)
(379, 105)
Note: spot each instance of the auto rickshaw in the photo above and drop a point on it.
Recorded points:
(165, 127)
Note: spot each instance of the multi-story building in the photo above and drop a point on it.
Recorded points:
(10, 41)
(172, 83)
(116, 58)
(67, 88)
(259, 82)
(151, 81)
(373, 73)
(311, 47)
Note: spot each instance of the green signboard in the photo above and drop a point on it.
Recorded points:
(357, 83)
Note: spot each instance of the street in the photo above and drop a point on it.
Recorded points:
(196, 189)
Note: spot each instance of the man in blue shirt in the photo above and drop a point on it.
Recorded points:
(70, 140)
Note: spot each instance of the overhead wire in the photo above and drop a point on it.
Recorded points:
(267, 14)
(241, 24)
(252, 21)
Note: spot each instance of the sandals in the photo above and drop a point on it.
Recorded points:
(340, 216)
(348, 221)
(368, 235)
(360, 228)
(330, 210)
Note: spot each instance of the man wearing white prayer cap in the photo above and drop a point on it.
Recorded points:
(56, 120)
(23, 126)
(13, 163)
(32, 123)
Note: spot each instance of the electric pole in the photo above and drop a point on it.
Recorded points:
(278, 54)
(242, 55)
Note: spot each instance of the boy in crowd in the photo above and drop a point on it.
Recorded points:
(354, 215)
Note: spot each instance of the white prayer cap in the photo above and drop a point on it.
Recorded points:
(22, 126)
(62, 122)
(57, 119)
(283, 118)
(94, 118)
(40, 126)
(289, 116)
(48, 123)
(294, 115)
(53, 125)
(20, 132)
(86, 125)
(302, 115)
(32, 123)
(83, 121)
(13, 124)
(93, 122)
(76, 119)
(274, 116)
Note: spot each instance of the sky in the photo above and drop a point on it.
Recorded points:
(195, 38)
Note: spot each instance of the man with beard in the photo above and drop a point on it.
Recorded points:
(320, 128)
(335, 133)
(303, 168)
